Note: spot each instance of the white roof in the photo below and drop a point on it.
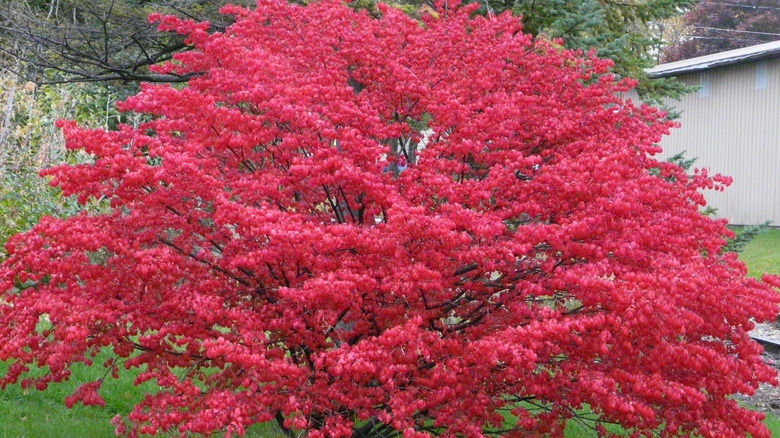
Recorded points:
(737, 56)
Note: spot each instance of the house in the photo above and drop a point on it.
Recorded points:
(732, 125)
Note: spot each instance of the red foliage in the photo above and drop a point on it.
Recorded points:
(266, 257)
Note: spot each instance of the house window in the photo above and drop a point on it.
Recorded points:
(762, 75)
(704, 84)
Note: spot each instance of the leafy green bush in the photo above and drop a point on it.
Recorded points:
(30, 141)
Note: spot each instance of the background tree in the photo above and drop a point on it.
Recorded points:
(29, 141)
(671, 32)
(50, 41)
(716, 26)
(259, 265)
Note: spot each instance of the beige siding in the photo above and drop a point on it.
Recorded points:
(734, 129)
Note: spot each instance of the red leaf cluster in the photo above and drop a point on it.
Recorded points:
(356, 225)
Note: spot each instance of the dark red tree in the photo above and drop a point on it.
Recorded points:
(268, 258)
(718, 26)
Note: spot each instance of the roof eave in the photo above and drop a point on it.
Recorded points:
(732, 57)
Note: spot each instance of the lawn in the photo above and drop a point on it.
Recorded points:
(762, 254)
(42, 414)
(36, 414)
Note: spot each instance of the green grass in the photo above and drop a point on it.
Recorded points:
(762, 254)
(38, 415)
(42, 414)
(773, 423)
(31, 413)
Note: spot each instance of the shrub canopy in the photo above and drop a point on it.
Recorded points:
(362, 226)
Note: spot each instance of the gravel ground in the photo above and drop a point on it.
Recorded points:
(767, 398)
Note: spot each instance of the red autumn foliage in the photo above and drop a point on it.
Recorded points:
(278, 251)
